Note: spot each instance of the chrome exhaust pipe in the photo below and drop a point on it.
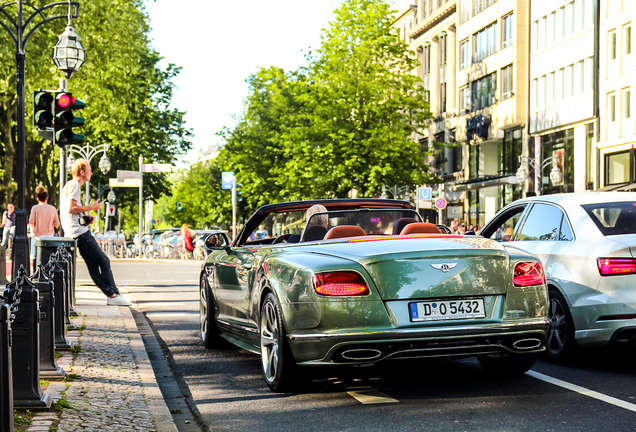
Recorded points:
(361, 354)
(527, 344)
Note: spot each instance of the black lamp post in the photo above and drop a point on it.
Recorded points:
(17, 28)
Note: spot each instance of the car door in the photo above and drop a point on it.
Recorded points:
(539, 232)
(234, 271)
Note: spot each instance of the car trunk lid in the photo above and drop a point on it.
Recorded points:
(431, 267)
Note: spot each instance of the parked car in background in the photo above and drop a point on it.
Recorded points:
(367, 282)
(587, 243)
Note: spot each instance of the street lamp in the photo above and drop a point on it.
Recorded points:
(556, 176)
(17, 29)
(395, 192)
(88, 153)
(69, 53)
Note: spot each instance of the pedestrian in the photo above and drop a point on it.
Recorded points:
(8, 225)
(43, 219)
(453, 226)
(261, 233)
(186, 235)
(461, 229)
(75, 224)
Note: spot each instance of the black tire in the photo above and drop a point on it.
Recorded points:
(280, 370)
(560, 345)
(507, 364)
(210, 333)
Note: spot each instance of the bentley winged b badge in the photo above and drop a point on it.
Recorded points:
(444, 266)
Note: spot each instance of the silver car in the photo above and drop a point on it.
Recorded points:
(587, 243)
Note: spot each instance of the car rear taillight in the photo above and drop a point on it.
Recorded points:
(616, 266)
(340, 283)
(528, 274)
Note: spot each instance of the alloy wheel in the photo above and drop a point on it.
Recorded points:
(557, 329)
(269, 341)
(203, 308)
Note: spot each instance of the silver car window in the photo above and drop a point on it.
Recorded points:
(542, 224)
(613, 218)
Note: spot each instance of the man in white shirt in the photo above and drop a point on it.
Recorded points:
(71, 212)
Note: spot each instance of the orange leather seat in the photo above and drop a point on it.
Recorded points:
(344, 231)
(421, 228)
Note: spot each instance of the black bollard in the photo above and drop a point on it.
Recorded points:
(48, 364)
(6, 374)
(59, 291)
(27, 393)
(3, 266)
(66, 265)
(69, 254)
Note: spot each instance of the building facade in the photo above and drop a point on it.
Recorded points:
(563, 95)
(617, 78)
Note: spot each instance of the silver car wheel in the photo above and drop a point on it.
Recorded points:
(557, 326)
(269, 341)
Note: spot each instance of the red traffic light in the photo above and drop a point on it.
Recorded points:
(64, 100)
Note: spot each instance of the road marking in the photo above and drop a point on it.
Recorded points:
(582, 390)
(369, 395)
(170, 314)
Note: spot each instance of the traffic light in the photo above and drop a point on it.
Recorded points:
(42, 110)
(65, 120)
(239, 192)
(179, 207)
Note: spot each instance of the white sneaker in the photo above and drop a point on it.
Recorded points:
(118, 301)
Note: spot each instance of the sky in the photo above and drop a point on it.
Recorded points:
(219, 44)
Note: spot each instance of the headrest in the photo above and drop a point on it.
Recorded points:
(399, 224)
(345, 231)
(420, 228)
(314, 232)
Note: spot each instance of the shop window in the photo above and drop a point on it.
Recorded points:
(561, 146)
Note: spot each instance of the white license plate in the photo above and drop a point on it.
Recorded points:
(447, 310)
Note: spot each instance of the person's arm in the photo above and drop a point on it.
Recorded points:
(81, 209)
(4, 218)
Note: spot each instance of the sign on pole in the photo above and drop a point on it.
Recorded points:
(122, 174)
(227, 180)
(425, 193)
(111, 210)
(440, 203)
(113, 182)
(156, 168)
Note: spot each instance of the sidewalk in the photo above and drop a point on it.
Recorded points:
(116, 389)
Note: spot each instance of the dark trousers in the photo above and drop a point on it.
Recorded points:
(98, 264)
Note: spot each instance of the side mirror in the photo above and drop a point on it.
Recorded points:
(217, 241)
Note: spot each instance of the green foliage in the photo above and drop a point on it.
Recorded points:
(127, 96)
(343, 125)
(45, 383)
(22, 420)
(76, 350)
(59, 405)
(71, 377)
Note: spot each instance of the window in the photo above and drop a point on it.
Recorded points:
(590, 150)
(535, 35)
(550, 29)
(578, 14)
(485, 42)
(581, 76)
(481, 5)
(542, 31)
(560, 84)
(442, 50)
(561, 146)
(612, 45)
(506, 82)
(484, 91)
(570, 18)
(542, 91)
(627, 104)
(534, 91)
(507, 28)
(611, 107)
(464, 100)
(580, 5)
(551, 89)
(426, 60)
(627, 39)
(613, 218)
(542, 224)
(560, 25)
(618, 167)
(570, 78)
(442, 97)
(464, 54)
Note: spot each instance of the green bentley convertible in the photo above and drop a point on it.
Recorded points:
(360, 281)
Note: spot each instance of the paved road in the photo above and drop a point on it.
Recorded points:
(227, 392)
